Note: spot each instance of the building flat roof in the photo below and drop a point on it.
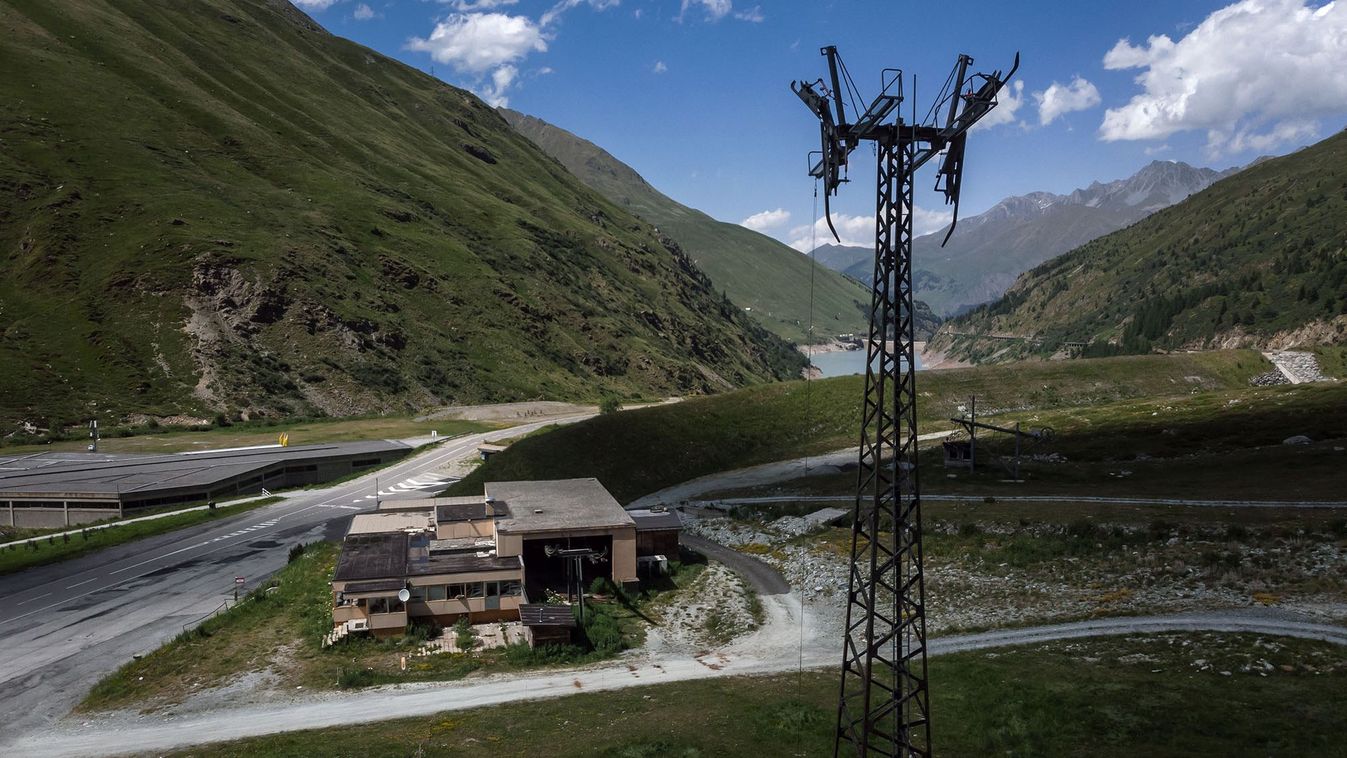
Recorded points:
(556, 505)
(648, 520)
(105, 475)
(391, 521)
(450, 563)
(372, 556)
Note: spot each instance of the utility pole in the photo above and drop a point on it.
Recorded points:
(883, 706)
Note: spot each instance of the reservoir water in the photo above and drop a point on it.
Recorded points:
(844, 363)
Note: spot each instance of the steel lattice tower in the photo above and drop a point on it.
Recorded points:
(883, 706)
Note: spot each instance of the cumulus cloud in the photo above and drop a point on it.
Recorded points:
(1008, 103)
(477, 42)
(660, 67)
(859, 231)
(766, 220)
(315, 5)
(715, 9)
(363, 12)
(1060, 99)
(1253, 75)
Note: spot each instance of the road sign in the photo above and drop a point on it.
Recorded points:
(238, 580)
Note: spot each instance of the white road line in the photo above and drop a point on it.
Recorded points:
(86, 581)
(31, 599)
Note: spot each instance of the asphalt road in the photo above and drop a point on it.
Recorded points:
(764, 579)
(66, 625)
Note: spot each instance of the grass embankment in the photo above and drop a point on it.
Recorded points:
(638, 452)
(53, 548)
(162, 439)
(279, 627)
(1214, 445)
(1192, 695)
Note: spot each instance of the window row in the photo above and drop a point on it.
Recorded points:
(468, 590)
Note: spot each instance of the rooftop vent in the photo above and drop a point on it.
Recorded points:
(537, 510)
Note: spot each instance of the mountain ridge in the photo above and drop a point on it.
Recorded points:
(989, 250)
(1258, 259)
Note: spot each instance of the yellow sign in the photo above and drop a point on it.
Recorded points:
(284, 439)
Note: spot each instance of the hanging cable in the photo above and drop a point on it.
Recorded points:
(808, 405)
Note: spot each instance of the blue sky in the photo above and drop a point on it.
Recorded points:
(694, 93)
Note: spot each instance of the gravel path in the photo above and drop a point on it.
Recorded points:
(767, 473)
(148, 733)
(1037, 499)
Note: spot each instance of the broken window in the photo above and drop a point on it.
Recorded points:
(475, 589)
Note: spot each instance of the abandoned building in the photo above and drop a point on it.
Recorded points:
(492, 557)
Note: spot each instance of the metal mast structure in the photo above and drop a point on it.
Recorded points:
(883, 704)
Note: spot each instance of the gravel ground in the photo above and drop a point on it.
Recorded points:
(1200, 571)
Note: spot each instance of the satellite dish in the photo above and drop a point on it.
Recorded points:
(404, 595)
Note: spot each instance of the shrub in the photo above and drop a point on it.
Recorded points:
(352, 678)
(609, 405)
(296, 551)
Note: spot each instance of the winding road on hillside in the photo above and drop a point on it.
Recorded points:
(65, 625)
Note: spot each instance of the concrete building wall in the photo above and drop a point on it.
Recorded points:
(52, 516)
(658, 542)
(624, 555)
(455, 530)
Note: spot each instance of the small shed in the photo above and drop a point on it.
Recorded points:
(657, 531)
(958, 453)
(547, 624)
(486, 450)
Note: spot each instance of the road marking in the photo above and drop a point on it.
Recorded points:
(86, 581)
(447, 452)
(31, 599)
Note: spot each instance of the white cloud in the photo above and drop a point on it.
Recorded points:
(501, 79)
(715, 9)
(1008, 103)
(1253, 75)
(363, 12)
(1060, 99)
(1156, 149)
(859, 231)
(660, 67)
(476, 42)
(545, 70)
(478, 5)
(314, 5)
(752, 15)
(766, 220)
(556, 11)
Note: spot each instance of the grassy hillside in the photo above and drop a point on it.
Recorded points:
(638, 452)
(217, 206)
(756, 271)
(1258, 258)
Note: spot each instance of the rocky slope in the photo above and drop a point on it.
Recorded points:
(217, 206)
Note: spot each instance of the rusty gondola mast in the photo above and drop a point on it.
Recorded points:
(883, 708)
